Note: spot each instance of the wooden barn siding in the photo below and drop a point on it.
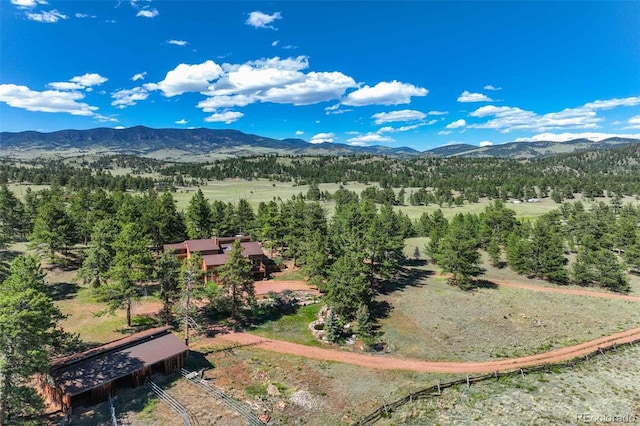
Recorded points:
(102, 393)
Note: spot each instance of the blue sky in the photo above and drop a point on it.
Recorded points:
(418, 74)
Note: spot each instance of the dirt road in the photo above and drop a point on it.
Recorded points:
(278, 286)
(383, 362)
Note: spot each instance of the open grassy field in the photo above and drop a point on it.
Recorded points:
(435, 321)
(256, 191)
(603, 386)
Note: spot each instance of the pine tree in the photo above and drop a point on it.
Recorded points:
(167, 272)
(494, 253)
(53, 228)
(245, 217)
(347, 286)
(190, 282)
(29, 333)
(458, 254)
(168, 223)
(101, 252)
(439, 225)
(198, 217)
(237, 280)
(131, 266)
(12, 213)
(384, 244)
(332, 327)
(548, 252)
(600, 267)
(364, 329)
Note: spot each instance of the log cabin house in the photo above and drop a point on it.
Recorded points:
(214, 253)
(90, 377)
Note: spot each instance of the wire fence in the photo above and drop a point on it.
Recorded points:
(436, 390)
(215, 391)
(177, 407)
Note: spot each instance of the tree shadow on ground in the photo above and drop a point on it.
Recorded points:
(483, 284)
(197, 361)
(479, 271)
(63, 291)
(415, 263)
(407, 277)
(379, 309)
(9, 255)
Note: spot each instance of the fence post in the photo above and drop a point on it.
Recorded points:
(601, 351)
(468, 384)
(522, 372)
(614, 347)
(439, 390)
(496, 374)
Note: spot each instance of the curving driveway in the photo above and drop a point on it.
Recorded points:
(382, 362)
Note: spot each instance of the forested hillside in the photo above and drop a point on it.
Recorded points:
(616, 171)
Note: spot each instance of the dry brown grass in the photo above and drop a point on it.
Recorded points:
(606, 385)
(436, 321)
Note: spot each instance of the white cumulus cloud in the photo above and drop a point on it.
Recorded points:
(612, 103)
(183, 121)
(46, 16)
(46, 101)
(634, 122)
(178, 42)
(299, 132)
(316, 87)
(567, 136)
(363, 140)
(213, 103)
(139, 76)
(65, 85)
(89, 79)
(486, 143)
(507, 119)
(189, 78)
(438, 113)
(467, 96)
(384, 93)
(400, 115)
(490, 87)
(275, 43)
(258, 19)
(323, 138)
(27, 3)
(456, 124)
(128, 97)
(148, 13)
(226, 117)
(444, 132)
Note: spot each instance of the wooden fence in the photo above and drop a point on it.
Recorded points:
(436, 390)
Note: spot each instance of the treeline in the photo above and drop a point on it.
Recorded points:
(89, 176)
(592, 173)
(605, 240)
(453, 180)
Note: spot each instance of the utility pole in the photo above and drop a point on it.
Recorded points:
(186, 311)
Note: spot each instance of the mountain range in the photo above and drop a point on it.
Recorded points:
(207, 144)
